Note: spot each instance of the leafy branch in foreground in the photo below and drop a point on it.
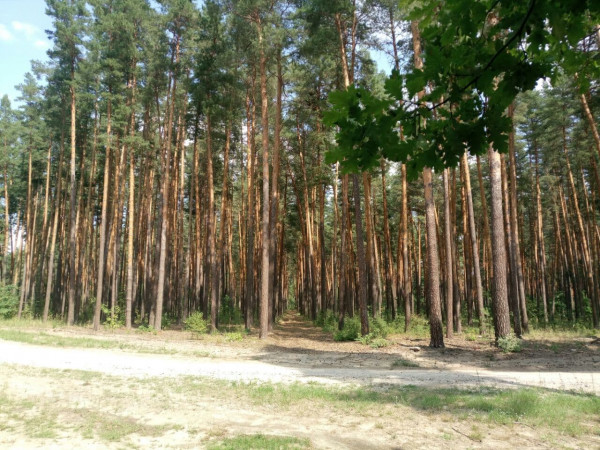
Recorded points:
(477, 57)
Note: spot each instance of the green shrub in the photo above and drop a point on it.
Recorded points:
(378, 327)
(509, 344)
(234, 336)
(113, 321)
(350, 332)
(196, 323)
(327, 321)
(230, 313)
(373, 341)
(9, 301)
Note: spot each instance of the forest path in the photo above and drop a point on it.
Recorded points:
(297, 351)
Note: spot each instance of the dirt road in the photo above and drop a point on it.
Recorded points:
(300, 352)
(154, 400)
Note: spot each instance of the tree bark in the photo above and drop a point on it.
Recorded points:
(500, 292)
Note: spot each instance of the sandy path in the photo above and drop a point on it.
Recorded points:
(122, 363)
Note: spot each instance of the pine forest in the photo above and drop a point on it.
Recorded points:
(365, 167)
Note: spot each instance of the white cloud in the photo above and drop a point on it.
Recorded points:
(5, 35)
(41, 44)
(30, 31)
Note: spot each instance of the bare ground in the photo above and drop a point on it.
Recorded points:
(148, 388)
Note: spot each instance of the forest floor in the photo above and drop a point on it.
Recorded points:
(73, 387)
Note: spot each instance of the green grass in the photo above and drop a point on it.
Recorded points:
(44, 419)
(550, 413)
(260, 441)
(404, 363)
(570, 413)
(42, 338)
(31, 323)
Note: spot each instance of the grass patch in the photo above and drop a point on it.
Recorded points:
(260, 441)
(27, 322)
(404, 363)
(114, 428)
(570, 413)
(42, 338)
(550, 413)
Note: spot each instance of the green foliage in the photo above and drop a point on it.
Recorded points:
(230, 313)
(351, 330)
(376, 338)
(115, 320)
(235, 336)
(378, 327)
(145, 328)
(86, 314)
(373, 341)
(473, 68)
(510, 344)
(196, 323)
(9, 301)
(327, 321)
(167, 321)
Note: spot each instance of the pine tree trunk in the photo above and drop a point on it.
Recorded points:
(500, 291)
(449, 271)
(514, 237)
(72, 211)
(211, 228)
(362, 264)
(249, 291)
(474, 246)
(57, 204)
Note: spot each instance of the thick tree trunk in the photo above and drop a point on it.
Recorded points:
(433, 265)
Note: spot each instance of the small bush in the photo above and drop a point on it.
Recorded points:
(510, 344)
(234, 336)
(350, 332)
(196, 323)
(9, 301)
(230, 313)
(113, 321)
(378, 327)
(373, 341)
(145, 328)
(327, 321)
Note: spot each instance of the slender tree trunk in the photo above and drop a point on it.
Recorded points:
(72, 210)
(474, 246)
(500, 292)
(274, 213)
(160, 294)
(103, 220)
(249, 291)
(362, 264)
(264, 296)
(211, 228)
(514, 230)
(449, 272)
(131, 213)
(57, 204)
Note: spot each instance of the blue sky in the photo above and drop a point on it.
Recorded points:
(22, 39)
